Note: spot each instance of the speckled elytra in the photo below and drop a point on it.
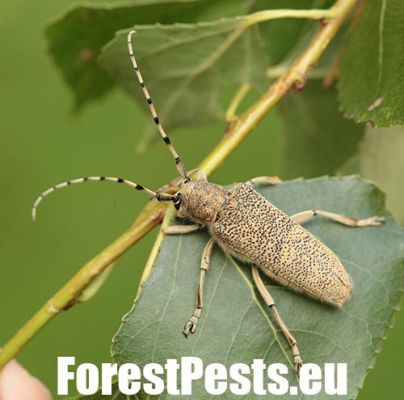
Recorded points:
(247, 226)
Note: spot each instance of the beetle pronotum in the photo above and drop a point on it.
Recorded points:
(247, 226)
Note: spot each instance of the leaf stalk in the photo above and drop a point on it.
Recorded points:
(267, 15)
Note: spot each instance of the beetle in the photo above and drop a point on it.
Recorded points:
(247, 226)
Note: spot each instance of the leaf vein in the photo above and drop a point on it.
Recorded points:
(238, 330)
(169, 296)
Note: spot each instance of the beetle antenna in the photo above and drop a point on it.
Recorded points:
(157, 195)
(179, 164)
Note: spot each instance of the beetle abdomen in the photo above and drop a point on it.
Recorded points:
(255, 231)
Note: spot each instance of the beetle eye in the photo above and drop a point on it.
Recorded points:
(177, 201)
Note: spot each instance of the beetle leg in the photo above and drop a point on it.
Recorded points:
(297, 360)
(190, 326)
(181, 229)
(266, 180)
(305, 216)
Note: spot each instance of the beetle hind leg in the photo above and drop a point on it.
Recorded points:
(353, 222)
(266, 296)
(190, 326)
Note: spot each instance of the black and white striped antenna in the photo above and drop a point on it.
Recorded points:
(113, 179)
(166, 139)
(178, 161)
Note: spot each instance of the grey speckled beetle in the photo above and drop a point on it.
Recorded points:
(247, 226)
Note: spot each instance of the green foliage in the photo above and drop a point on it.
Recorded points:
(370, 87)
(188, 66)
(284, 35)
(151, 332)
(75, 40)
(316, 138)
(371, 83)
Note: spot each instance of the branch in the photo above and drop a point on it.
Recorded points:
(266, 15)
(294, 77)
(231, 113)
(278, 70)
(151, 216)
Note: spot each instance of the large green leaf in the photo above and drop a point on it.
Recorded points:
(235, 326)
(316, 138)
(371, 81)
(75, 39)
(187, 66)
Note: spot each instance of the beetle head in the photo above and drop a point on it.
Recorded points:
(199, 200)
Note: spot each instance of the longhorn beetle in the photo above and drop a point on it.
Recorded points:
(247, 226)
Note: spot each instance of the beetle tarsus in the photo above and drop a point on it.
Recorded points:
(190, 326)
(372, 221)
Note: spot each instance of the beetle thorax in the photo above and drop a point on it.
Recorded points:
(201, 201)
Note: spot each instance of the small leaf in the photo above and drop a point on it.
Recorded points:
(187, 66)
(75, 40)
(316, 138)
(235, 326)
(371, 87)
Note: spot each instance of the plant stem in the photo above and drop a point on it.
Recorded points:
(231, 113)
(267, 15)
(70, 292)
(278, 70)
(152, 214)
(294, 77)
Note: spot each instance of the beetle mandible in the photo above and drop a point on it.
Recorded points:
(247, 226)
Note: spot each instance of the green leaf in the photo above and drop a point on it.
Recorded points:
(75, 39)
(187, 66)
(371, 87)
(316, 138)
(235, 326)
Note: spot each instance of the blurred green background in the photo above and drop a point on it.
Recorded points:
(42, 144)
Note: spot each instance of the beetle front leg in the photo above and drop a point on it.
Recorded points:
(297, 360)
(181, 229)
(190, 326)
(305, 216)
(266, 180)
